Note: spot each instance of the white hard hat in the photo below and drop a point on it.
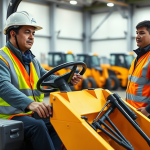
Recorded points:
(20, 19)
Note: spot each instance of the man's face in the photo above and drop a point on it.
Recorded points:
(25, 38)
(143, 37)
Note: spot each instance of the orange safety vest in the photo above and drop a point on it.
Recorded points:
(138, 87)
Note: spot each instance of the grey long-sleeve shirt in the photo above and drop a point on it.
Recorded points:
(9, 92)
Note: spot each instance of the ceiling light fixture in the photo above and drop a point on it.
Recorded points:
(73, 2)
(110, 4)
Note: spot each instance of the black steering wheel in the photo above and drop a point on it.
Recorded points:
(61, 82)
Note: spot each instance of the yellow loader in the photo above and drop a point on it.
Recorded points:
(101, 75)
(119, 63)
(94, 119)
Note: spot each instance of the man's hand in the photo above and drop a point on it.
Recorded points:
(43, 109)
(143, 111)
(76, 79)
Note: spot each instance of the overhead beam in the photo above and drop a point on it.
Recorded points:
(37, 1)
(136, 1)
(94, 7)
(121, 10)
(70, 7)
(115, 2)
(108, 39)
(69, 38)
(107, 16)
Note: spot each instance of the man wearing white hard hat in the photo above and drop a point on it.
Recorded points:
(20, 71)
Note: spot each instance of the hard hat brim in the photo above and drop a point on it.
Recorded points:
(36, 28)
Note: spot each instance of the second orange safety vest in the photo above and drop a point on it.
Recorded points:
(138, 87)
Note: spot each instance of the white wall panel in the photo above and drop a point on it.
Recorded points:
(40, 13)
(134, 44)
(114, 26)
(40, 46)
(104, 48)
(68, 45)
(140, 14)
(69, 22)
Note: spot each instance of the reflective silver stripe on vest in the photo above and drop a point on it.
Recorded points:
(138, 98)
(14, 77)
(145, 68)
(36, 93)
(28, 92)
(129, 77)
(142, 81)
(35, 63)
(9, 110)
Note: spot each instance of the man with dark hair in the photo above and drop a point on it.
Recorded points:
(138, 87)
(19, 74)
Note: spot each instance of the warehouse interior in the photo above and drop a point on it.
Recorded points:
(84, 83)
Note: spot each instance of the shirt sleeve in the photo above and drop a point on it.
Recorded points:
(9, 93)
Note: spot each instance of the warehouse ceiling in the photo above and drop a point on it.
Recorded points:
(103, 3)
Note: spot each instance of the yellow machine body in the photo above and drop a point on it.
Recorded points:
(77, 134)
(122, 74)
(100, 78)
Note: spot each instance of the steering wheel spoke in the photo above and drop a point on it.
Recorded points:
(70, 74)
(47, 83)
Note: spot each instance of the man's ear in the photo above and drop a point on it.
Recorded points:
(12, 33)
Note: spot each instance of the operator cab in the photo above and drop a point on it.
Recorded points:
(57, 58)
(121, 60)
(92, 61)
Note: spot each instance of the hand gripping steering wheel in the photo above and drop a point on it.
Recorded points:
(61, 82)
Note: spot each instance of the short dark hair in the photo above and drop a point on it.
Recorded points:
(14, 29)
(145, 23)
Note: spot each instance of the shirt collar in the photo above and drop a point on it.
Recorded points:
(17, 52)
(141, 51)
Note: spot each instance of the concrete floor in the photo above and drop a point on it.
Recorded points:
(120, 92)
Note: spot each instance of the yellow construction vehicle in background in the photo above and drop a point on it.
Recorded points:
(58, 58)
(102, 77)
(119, 63)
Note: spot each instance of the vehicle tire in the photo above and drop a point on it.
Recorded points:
(85, 84)
(92, 83)
(115, 83)
(108, 84)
